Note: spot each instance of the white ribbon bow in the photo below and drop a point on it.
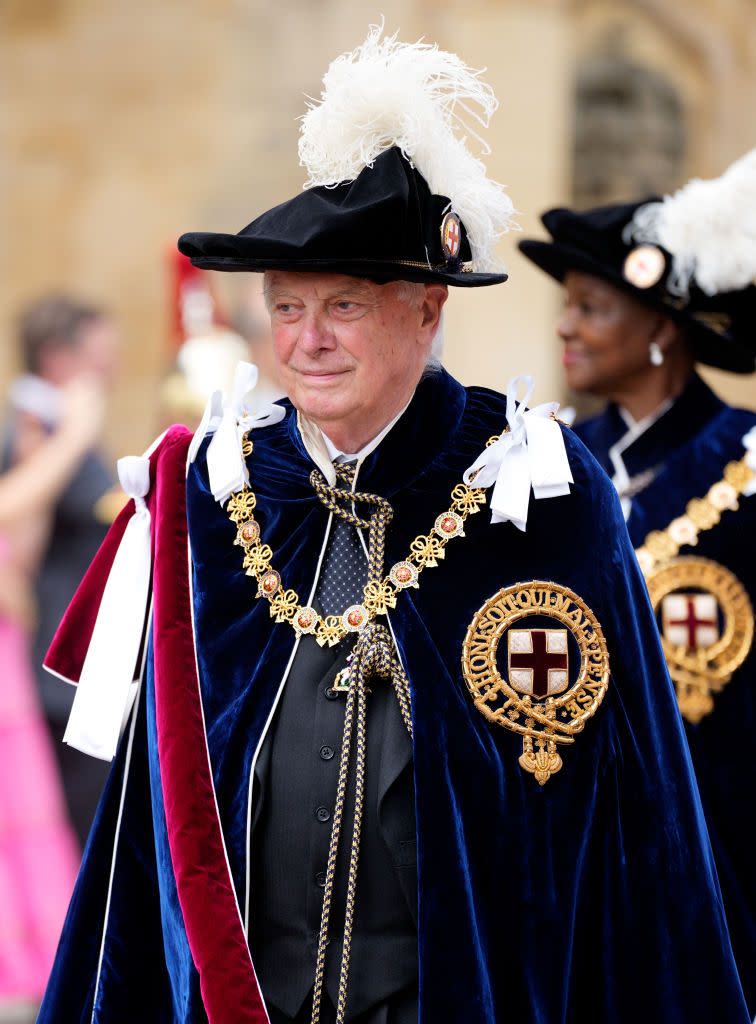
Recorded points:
(750, 445)
(110, 674)
(226, 466)
(530, 454)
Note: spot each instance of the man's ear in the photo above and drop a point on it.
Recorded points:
(433, 302)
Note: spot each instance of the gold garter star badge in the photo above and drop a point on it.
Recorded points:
(557, 668)
(703, 611)
(706, 625)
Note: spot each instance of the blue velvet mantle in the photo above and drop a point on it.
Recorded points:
(592, 898)
(688, 447)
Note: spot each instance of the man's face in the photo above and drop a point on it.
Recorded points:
(95, 353)
(350, 351)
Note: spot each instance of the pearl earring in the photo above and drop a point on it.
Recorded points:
(655, 354)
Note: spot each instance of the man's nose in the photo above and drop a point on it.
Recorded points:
(316, 333)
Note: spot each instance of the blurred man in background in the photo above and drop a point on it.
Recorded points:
(61, 339)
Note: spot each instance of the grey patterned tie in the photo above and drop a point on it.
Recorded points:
(344, 574)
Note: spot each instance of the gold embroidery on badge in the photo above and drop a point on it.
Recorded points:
(706, 623)
(539, 697)
(704, 612)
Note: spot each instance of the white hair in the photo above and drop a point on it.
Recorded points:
(413, 293)
(410, 292)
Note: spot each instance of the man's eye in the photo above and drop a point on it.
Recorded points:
(345, 306)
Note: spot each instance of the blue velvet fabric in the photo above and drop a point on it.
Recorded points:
(134, 984)
(689, 448)
(592, 898)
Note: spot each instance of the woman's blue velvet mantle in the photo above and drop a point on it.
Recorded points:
(688, 449)
(593, 898)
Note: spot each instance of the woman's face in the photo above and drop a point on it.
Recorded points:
(606, 335)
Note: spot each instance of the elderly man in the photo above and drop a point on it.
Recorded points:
(376, 765)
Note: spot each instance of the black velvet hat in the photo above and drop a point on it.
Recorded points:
(392, 190)
(601, 242)
(385, 225)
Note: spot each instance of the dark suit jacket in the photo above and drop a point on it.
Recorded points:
(295, 788)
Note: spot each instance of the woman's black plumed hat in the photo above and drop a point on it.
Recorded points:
(393, 193)
(691, 256)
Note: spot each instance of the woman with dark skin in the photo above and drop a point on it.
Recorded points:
(632, 334)
(607, 334)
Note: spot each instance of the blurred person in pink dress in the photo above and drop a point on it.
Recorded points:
(60, 339)
(38, 850)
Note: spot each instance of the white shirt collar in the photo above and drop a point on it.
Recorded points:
(338, 456)
(323, 452)
(638, 427)
(635, 428)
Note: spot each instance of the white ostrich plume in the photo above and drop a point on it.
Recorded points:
(709, 228)
(422, 100)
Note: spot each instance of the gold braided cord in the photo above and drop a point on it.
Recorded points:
(376, 525)
(333, 849)
(701, 514)
(380, 593)
(373, 656)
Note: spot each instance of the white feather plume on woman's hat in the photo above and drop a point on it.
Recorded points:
(708, 228)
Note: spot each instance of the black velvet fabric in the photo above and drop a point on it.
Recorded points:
(690, 446)
(384, 225)
(592, 241)
(594, 897)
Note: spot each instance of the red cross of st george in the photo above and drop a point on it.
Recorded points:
(691, 622)
(540, 661)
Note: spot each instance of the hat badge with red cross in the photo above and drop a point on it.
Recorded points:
(451, 235)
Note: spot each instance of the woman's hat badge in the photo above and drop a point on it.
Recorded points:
(644, 266)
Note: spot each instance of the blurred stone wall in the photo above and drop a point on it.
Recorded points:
(122, 125)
